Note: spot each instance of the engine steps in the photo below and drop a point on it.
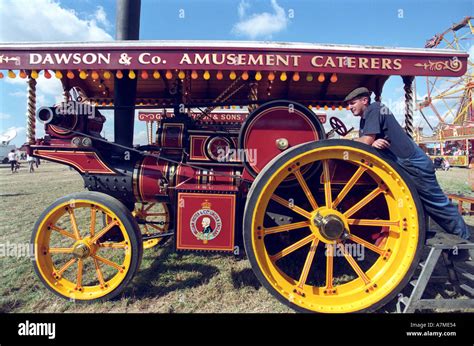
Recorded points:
(439, 246)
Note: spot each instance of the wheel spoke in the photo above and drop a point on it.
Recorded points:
(159, 228)
(74, 223)
(366, 244)
(287, 227)
(327, 183)
(60, 250)
(348, 186)
(63, 232)
(103, 231)
(67, 265)
(79, 273)
(359, 205)
(108, 262)
(121, 245)
(354, 264)
(305, 188)
(365, 222)
(329, 265)
(291, 206)
(156, 214)
(308, 263)
(292, 248)
(98, 271)
(148, 207)
(93, 217)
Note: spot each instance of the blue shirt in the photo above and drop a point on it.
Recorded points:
(379, 121)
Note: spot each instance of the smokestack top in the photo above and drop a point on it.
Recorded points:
(128, 20)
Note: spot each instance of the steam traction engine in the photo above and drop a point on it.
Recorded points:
(328, 225)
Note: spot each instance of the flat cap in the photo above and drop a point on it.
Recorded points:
(357, 93)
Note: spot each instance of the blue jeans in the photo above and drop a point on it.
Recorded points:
(437, 205)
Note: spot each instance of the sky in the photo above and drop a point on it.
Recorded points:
(393, 23)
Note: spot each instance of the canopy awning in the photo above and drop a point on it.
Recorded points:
(213, 71)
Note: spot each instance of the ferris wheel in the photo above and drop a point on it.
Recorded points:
(449, 100)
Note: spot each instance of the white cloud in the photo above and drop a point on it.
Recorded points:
(5, 116)
(100, 17)
(46, 20)
(18, 129)
(262, 25)
(48, 91)
(140, 138)
(18, 93)
(243, 7)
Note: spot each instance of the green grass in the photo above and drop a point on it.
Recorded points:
(166, 282)
(457, 181)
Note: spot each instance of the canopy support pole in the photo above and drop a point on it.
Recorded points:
(66, 94)
(31, 113)
(149, 125)
(408, 81)
(253, 96)
(125, 89)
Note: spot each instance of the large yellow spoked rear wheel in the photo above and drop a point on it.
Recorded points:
(154, 219)
(346, 240)
(79, 256)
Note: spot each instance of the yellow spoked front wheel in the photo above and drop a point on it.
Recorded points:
(87, 247)
(154, 219)
(348, 239)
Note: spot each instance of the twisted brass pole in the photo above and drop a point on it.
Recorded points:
(31, 111)
(253, 95)
(408, 81)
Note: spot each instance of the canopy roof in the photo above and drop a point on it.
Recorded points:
(222, 72)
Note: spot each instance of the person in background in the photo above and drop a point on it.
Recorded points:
(31, 163)
(12, 159)
(447, 165)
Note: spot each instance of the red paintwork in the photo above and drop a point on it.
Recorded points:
(247, 176)
(150, 178)
(153, 173)
(192, 55)
(218, 176)
(191, 188)
(200, 143)
(272, 124)
(197, 150)
(208, 188)
(171, 135)
(83, 161)
(220, 117)
(192, 208)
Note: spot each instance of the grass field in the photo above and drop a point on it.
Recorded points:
(166, 282)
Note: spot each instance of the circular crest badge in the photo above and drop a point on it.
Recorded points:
(205, 223)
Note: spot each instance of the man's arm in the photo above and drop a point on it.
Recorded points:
(376, 143)
(366, 139)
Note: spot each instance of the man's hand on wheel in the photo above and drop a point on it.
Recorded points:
(381, 143)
